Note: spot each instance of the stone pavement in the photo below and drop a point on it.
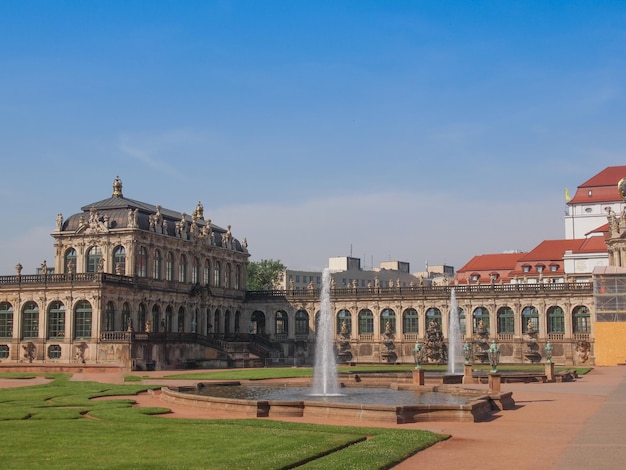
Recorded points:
(576, 425)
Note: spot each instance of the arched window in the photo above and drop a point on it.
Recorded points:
(302, 323)
(156, 319)
(410, 321)
(581, 319)
(366, 322)
(433, 318)
(182, 269)
(169, 266)
(281, 326)
(530, 319)
(56, 320)
(30, 320)
(218, 321)
(82, 320)
(387, 321)
(237, 321)
(157, 265)
(6, 320)
(126, 321)
(181, 319)
(141, 318)
(217, 282)
(169, 317)
(195, 270)
(141, 263)
(94, 255)
(119, 260)
(344, 321)
(556, 320)
(227, 322)
(69, 261)
(237, 277)
(480, 320)
(227, 274)
(506, 320)
(109, 317)
(462, 321)
(257, 322)
(207, 272)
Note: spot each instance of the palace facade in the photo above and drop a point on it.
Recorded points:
(138, 286)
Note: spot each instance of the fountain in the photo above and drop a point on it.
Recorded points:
(325, 371)
(455, 348)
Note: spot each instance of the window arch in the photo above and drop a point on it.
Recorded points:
(344, 321)
(119, 260)
(581, 319)
(141, 318)
(207, 272)
(195, 270)
(94, 255)
(388, 321)
(30, 320)
(141, 263)
(82, 319)
(6, 320)
(410, 321)
(366, 322)
(556, 320)
(506, 320)
(530, 319)
(69, 261)
(217, 282)
(182, 268)
(480, 320)
(433, 318)
(281, 324)
(257, 322)
(109, 317)
(56, 319)
(302, 323)
(157, 265)
(169, 266)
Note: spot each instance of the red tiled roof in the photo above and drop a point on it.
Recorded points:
(593, 245)
(550, 250)
(491, 262)
(601, 229)
(601, 187)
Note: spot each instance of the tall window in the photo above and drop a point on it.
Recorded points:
(344, 321)
(69, 261)
(281, 323)
(156, 319)
(94, 255)
(581, 319)
(302, 322)
(530, 319)
(195, 270)
(6, 320)
(141, 318)
(126, 316)
(82, 320)
(409, 321)
(181, 319)
(227, 322)
(109, 317)
(169, 315)
(366, 322)
(56, 319)
(556, 320)
(227, 275)
(480, 320)
(388, 321)
(119, 260)
(141, 263)
(207, 272)
(182, 269)
(506, 320)
(237, 277)
(218, 273)
(169, 266)
(30, 320)
(237, 321)
(433, 318)
(157, 265)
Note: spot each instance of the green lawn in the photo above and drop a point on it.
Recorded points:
(57, 425)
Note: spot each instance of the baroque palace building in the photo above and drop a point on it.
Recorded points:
(138, 286)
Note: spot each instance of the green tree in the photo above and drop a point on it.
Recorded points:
(264, 274)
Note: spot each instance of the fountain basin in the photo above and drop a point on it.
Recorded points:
(477, 407)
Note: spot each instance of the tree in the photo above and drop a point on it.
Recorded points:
(264, 274)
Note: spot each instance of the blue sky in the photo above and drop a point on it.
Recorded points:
(413, 130)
